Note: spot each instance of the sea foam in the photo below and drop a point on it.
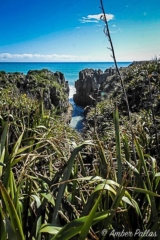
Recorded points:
(78, 115)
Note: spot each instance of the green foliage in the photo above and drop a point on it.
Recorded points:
(58, 184)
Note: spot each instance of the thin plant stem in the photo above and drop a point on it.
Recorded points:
(107, 33)
(153, 116)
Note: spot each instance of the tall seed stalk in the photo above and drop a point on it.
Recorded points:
(153, 116)
(111, 48)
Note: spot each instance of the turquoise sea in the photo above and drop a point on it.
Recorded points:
(70, 71)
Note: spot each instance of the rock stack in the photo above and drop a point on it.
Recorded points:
(91, 81)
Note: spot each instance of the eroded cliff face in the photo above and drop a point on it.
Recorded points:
(142, 85)
(39, 84)
(91, 81)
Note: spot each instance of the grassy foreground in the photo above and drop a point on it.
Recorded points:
(56, 184)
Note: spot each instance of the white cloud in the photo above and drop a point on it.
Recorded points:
(95, 18)
(113, 25)
(38, 57)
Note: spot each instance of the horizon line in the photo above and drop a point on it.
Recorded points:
(71, 61)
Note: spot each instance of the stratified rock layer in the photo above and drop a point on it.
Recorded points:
(89, 82)
(39, 84)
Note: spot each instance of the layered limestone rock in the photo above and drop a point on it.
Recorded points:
(89, 82)
(39, 84)
(44, 85)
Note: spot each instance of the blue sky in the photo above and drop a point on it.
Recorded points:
(70, 30)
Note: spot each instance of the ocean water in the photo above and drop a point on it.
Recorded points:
(71, 73)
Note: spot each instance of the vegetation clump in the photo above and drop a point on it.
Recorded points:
(39, 84)
(58, 184)
(142, 88)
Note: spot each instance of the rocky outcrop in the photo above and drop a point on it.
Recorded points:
(39, 84)
(138, 63)
(142, 86)
(90, 82)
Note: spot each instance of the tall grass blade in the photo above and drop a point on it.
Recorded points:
(66, 176)
(104, 162)
(115, 204)
(148, 182)
(16, 146)
(17, 227)
(3, 232)
(49, 228)
(4, 136)
(75, 226)
(89, 220)
(141, 190)
(2, 158)
(118, 145)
